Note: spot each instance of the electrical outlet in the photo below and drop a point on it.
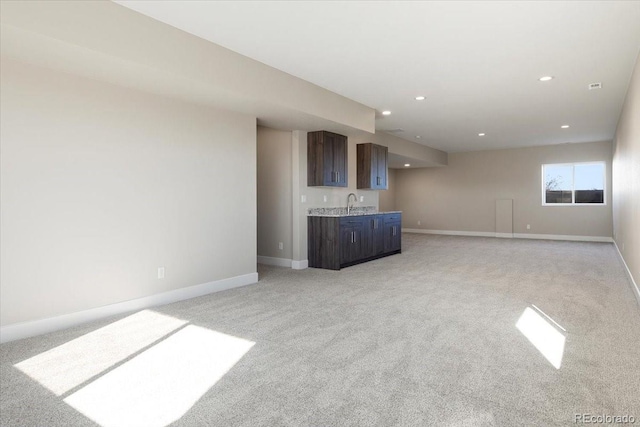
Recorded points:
(528, 226)
(419, 222)
(362, 198)
(303, 199)
(160, 272)
(324, 198)
(280, 245)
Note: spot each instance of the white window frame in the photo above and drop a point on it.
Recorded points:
(573, 184)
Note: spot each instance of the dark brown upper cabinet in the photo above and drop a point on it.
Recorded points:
(372, 166)
(326, 159)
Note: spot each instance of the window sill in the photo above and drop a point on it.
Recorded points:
(574, 204)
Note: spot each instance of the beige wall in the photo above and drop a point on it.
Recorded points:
(461, 197)
(102, 185)
(387, 198)
(626, 178)
(274, 193)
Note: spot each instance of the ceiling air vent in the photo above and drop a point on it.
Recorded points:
(595, 86)
(398, 130)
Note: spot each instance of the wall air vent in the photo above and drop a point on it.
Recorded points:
(595, 86)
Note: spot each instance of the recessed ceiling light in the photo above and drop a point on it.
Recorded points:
(564, 126)
(481, 134)
(406, 165)
(386, 113)
(418, 136)
(420, 98)
(545, 78)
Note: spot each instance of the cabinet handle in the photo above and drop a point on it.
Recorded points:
(333, 176)
(337, 176)
(354, 237)
(377, 180)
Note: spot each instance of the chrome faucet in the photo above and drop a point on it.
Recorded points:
(349, 205)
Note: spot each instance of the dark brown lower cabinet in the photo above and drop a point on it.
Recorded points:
(392, 232)
(352, 244)
(374, 240)
(336, 242)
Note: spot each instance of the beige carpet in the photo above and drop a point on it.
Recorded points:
(427, 337)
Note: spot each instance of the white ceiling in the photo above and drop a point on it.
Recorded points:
(477, 63)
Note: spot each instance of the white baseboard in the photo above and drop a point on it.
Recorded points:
(505, 235)
(283, 262)
(300, 265)
(278, 262)
(38, 327)
(510, 235)
(449, 232)
(563, 237)
(634, 285)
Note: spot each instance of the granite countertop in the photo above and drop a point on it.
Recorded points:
(355, 211)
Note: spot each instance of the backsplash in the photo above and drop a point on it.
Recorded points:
(356, 210)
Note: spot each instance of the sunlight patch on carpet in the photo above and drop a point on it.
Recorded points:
(75, 362)
(161, 384)
(541, 332)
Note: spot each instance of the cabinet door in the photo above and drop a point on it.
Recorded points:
(339, 148)
(346, 243)
(378, 235)
(369, 234)
(373, 180)
(392, 237)
(351, 244)
(329, 176)
(381, 166)
(352, 240)
(373, 236)
(392, 232)
(372, 165)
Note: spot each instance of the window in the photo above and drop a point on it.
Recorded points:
(573, 184)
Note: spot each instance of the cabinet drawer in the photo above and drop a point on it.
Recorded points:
(351, 221)
(392, 218)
